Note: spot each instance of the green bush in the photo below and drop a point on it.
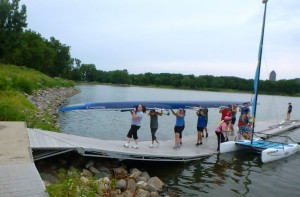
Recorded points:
(5, 84)
(14, 106)
(24, 85)
(27, 80)
(69, 184)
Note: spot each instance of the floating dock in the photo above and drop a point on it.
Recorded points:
(271, 128)
(46, 144)
(19, 176)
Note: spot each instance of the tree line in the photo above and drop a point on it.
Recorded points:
(25, 47)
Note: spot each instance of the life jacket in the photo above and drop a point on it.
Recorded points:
(241, 122)
(245, 110)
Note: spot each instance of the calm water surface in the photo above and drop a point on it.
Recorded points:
(233, 174)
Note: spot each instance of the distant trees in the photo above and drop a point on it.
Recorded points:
(12, 22)
(205, 82)
(28, 48)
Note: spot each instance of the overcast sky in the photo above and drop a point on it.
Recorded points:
(200, 37)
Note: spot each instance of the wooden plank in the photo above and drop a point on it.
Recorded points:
(21, 180)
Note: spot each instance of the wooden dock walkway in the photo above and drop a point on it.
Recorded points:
(271, 128)
(50, 143)
(18, 174)
(57, 143)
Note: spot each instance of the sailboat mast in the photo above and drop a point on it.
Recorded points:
(257, 75)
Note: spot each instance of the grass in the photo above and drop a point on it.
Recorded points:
(15, 82)
(27, 80)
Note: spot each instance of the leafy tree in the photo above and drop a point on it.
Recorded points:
(150, 78)
(268, 86)
(123, 77)
(33, 52)
(187, 81)
(101, 76)
(200, 82)
(12, 22)
(88, 72)
(62, 63)
(176, 80)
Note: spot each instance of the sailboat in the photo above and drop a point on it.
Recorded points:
(269, 150)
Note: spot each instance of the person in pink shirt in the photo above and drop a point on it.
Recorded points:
(222, 129)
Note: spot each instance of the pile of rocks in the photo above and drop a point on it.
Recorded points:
(49, 100)
(110, 177)
(135, 183)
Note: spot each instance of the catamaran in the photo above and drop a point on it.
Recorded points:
(269, 150)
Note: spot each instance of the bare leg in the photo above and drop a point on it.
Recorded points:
(198, 136)
(206, 131)
(177, 140)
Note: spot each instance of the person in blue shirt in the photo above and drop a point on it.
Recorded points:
(179, 126)
(201, 124)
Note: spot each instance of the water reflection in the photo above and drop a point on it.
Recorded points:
(236, 174)
(226, 174)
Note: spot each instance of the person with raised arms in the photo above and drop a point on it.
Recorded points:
(179, 126)
(154, 125)
(200, 125)
(136, 119)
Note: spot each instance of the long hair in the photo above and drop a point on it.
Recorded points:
(144, 108)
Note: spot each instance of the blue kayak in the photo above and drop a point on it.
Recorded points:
(150, 104)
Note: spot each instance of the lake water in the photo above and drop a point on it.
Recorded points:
(233, 174)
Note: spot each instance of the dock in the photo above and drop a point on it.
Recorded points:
(46, 144)
(272, 128)
(50, 143)
(18, 174)
(21, 146)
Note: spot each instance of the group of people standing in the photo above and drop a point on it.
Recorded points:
(228, 119)
(137, 115)
(245, 121)
(223, 130)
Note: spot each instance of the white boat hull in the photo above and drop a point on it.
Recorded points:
(267, 155)
(272, 154)
(229, 146)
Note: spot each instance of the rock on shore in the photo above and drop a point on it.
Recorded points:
(107, 177)
(49, 100)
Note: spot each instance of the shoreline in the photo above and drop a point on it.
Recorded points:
(50, 100)
(128, 182)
